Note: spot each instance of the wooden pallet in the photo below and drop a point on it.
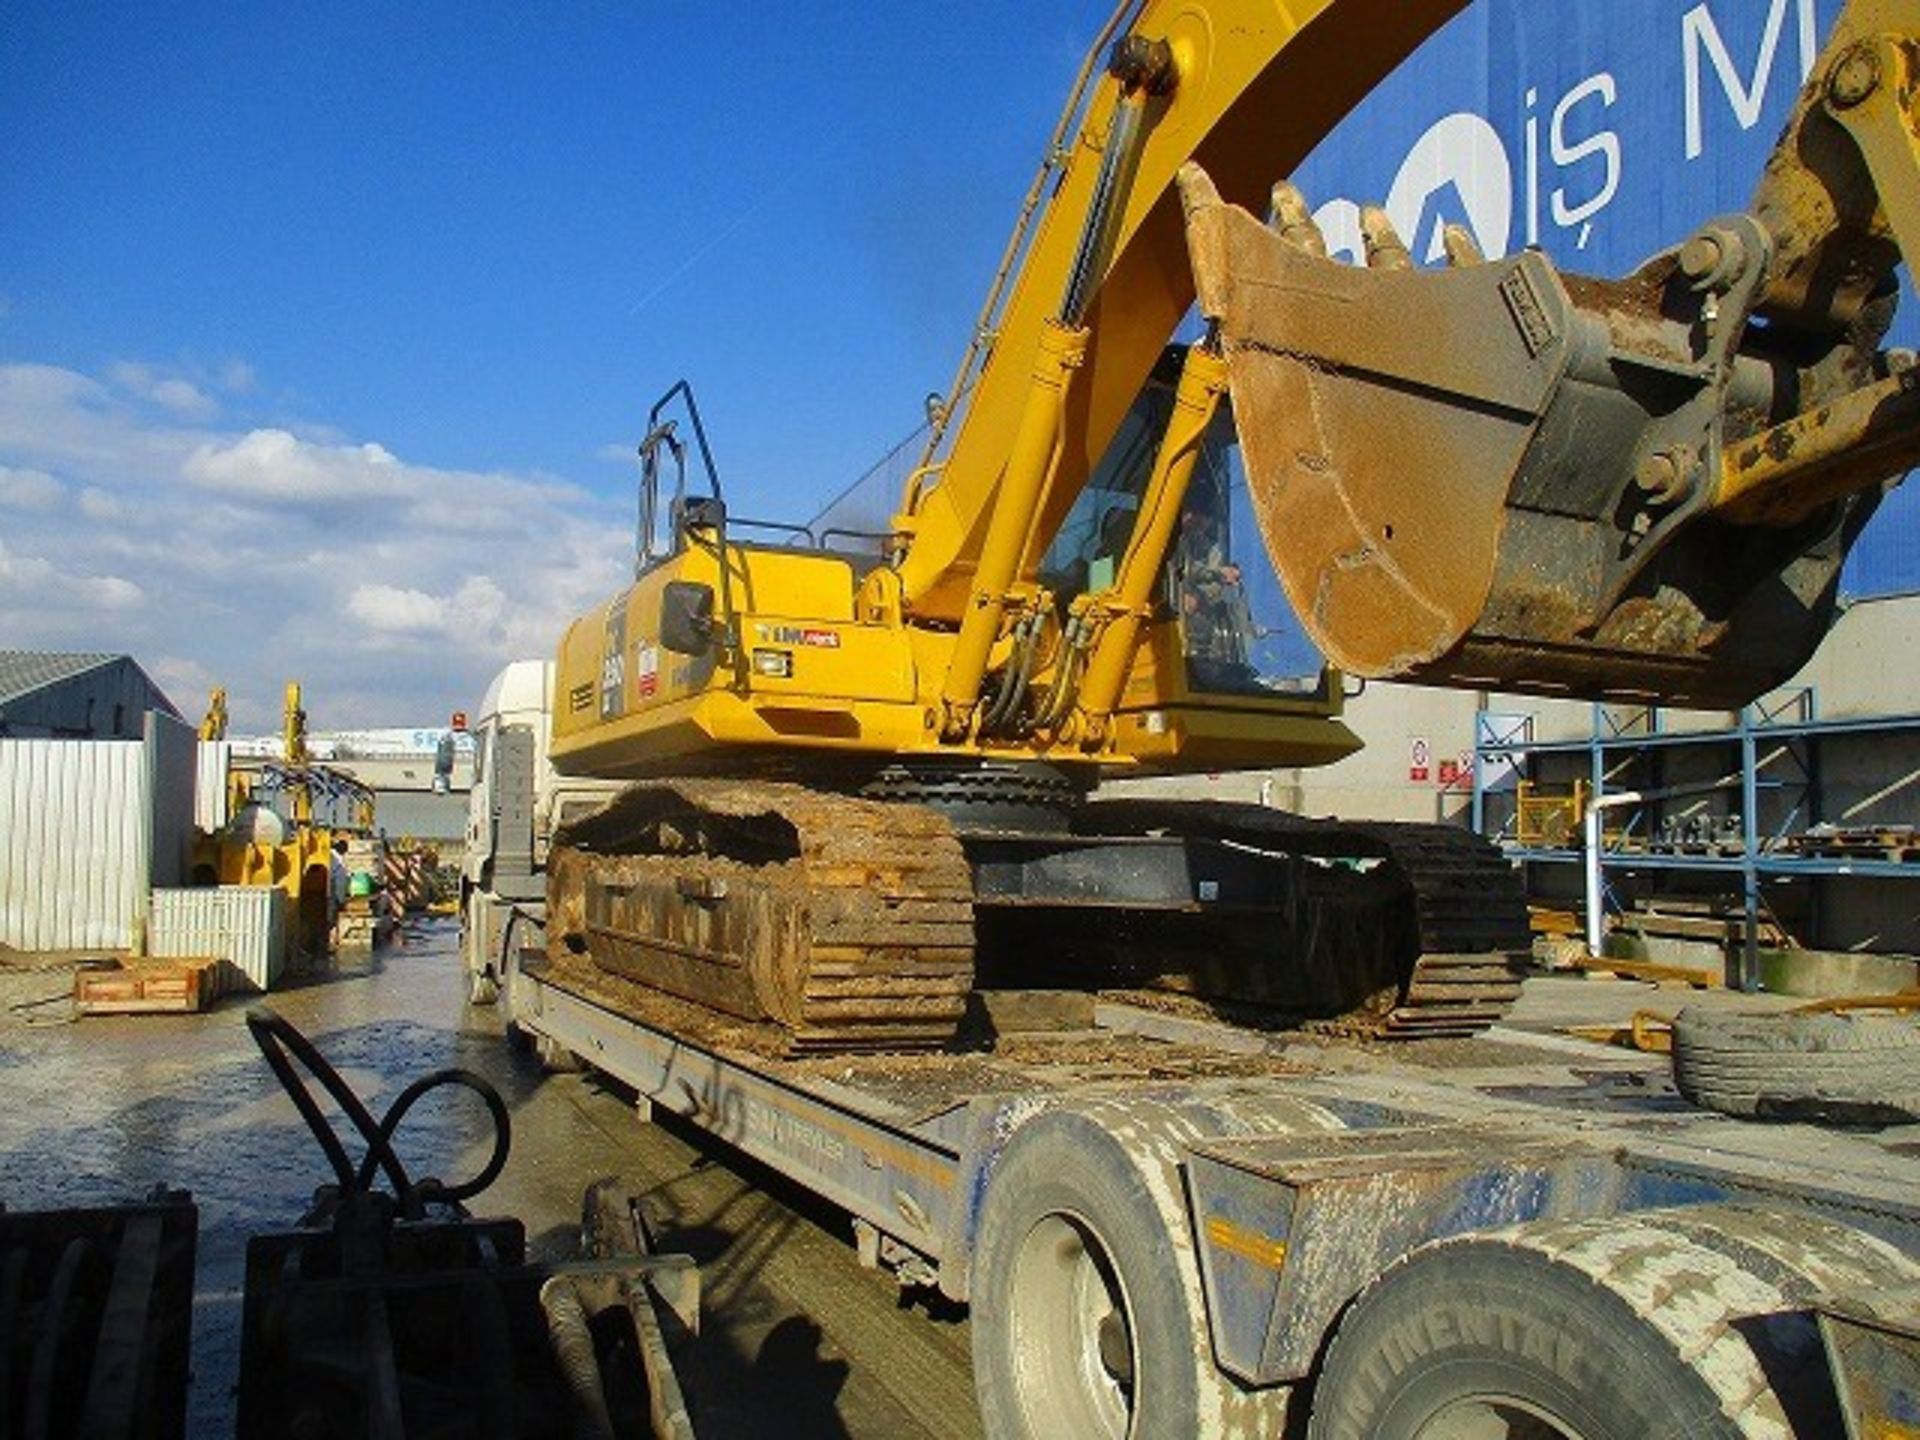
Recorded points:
(1547, 920)
(1646, 970)
(146, 987)
(1898, 843)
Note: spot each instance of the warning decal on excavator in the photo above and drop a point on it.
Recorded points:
(812, 636)
(1419, 759)
(613, 664)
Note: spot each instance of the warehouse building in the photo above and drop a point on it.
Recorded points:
(61, 695)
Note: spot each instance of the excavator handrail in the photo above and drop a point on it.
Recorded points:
(684, 388)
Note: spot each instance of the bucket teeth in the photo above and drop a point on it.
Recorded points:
(1462, 250)
(1385, 249)
(1290, 219)
(1197, 190)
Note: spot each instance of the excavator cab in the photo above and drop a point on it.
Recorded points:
(1236, 628)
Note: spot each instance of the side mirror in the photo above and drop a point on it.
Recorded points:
(701, 512)
(686, 617)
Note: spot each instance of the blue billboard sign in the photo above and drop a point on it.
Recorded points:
(1601, 131)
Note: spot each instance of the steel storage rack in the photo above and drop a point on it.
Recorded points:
(1772, 768)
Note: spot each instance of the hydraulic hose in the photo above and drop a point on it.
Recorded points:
(282, 1043)
(579, 1362)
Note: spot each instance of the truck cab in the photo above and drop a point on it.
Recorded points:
(511, 812)
(498, 869)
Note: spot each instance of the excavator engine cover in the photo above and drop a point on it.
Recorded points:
(1499, 476)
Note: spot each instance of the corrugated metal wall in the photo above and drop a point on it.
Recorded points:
(74, 823)
(212, 760)
(172, 784)
(243, 925)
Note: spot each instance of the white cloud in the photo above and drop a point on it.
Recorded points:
(174, 393)
(277, 465)
(19, 572)
(98, 504)
(36, 580)
(112, 592)
(184, 680)
(22, 488)
(248, 558)
(77, 428)
(396, 610)
(236, 377)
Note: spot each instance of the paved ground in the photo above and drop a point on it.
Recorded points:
(799, 1340)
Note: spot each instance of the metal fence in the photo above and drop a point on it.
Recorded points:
(243, 926)
(73, 843)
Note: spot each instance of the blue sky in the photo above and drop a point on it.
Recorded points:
(481, 239)
(326, 333)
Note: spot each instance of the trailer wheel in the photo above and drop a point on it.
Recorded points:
(1088, 1318)
(1485, 1341)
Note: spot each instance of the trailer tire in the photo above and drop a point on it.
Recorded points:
(1088, 1317)
(1832, 1069)
(476, 946)
(1469, 1335)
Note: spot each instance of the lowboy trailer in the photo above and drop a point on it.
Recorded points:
(1169, 1225)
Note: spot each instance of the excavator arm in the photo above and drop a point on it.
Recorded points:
(1500, 476)
(1494, 475)
(1247, 88)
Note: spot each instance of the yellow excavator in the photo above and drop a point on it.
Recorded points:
(863, 764)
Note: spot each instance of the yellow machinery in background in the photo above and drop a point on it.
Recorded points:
(863, 770)
(213, 725)
(1549, 819)
(289, 851)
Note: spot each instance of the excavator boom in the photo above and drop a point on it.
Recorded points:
(1254, 85)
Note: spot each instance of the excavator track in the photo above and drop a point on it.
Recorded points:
(829, 923)
(1470, 909)
(1458, 964)
(836, 924)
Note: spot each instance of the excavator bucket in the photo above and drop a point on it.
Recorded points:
(1496, 475)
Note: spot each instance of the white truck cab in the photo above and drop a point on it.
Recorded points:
(511, 811)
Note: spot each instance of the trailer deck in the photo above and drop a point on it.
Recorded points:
(905, 1144)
